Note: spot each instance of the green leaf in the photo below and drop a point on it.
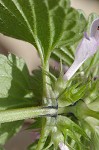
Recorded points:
(92, 94)
(7, 130)
(72, 132)
(15, 85)
(91, 125)
(70, 92)
(48, 144)
(44, 23)
(10, 67)
(95, 138)
(66, 123)
(37, 85)
(56, 136)
(95, 104)
(66, 53)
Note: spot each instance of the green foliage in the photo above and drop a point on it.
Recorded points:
(37, 86)
(16, 91)
(72, 93)
(92, 126)
(72, 132)
(15, 85)
(92, 94)
(66, 52)
(44, 23)
(54, 28)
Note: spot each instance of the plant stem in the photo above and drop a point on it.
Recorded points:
(46, 94)
(65, 110)
(25, 113)
(93, 114)
(81, 111)
(44, 133)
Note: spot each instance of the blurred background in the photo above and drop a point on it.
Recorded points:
(29, 54)
(88, 6)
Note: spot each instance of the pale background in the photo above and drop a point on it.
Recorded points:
(29, 54)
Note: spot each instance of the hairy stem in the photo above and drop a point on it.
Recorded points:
(48, 95)
(46, 84)
(44, 133)
(25, 113)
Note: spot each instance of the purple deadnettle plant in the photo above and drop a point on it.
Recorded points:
(61, 109)
(86, 48)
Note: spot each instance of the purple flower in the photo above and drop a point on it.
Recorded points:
(62, 146)
(87, 48)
